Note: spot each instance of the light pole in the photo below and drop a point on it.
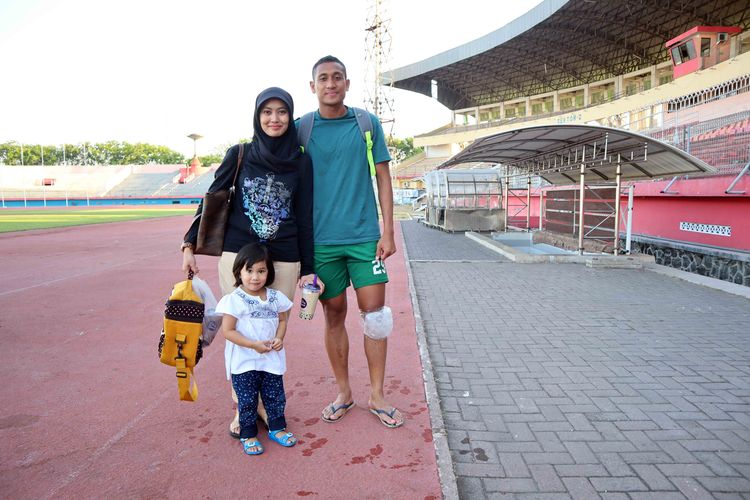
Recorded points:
(192, 168)
(195, 138)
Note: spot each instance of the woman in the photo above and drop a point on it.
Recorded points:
(272, 203)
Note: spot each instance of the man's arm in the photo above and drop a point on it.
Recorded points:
(386, 244)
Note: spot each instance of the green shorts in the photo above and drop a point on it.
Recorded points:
(338, 265)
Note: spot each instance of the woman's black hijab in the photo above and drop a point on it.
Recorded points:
(276, 153)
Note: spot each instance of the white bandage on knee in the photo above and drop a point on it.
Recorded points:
(378, 324)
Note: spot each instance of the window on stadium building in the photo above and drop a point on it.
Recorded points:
(705, 47)
(683, 52)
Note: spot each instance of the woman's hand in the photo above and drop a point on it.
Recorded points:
(188, 261)
(309, 278)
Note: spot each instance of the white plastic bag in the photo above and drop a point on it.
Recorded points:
(211, 320)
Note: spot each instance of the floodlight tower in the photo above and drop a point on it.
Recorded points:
(379, 95)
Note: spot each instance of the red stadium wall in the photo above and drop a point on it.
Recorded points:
(697, 201)
(695, 211)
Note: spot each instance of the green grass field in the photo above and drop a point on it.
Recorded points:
(25, 219)
(12, 219)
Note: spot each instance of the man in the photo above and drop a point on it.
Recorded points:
(348, 242)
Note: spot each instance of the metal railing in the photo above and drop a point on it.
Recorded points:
(719, 91)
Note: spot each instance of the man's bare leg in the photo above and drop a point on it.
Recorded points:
(372, 298)
(337, 347)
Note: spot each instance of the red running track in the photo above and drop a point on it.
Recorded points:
(87, 410)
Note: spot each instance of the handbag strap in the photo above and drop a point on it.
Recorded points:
(236, 170)
(186, 385)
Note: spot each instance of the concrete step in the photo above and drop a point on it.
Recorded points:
(614, 262)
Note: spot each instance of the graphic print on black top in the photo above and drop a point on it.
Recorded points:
(267, 203)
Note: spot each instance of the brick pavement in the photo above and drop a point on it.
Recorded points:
(561, 381)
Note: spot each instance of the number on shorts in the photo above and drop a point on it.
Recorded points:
(378, 267)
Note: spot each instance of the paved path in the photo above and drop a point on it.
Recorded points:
(561, 381)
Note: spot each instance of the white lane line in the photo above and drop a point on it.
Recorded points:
(74, 276)
(94, 457)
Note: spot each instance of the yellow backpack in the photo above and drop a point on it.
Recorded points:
(180, 343)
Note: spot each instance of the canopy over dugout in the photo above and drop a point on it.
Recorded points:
(556, 152)
(561, 44)
(560, 153)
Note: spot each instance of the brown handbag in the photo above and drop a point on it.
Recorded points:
(214, 216)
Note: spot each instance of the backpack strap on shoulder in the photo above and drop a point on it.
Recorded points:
(304, 129)
(364, 122)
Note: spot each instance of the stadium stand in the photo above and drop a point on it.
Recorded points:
(196, 187)
(100, 181)
(142, 185)
(678, 73)
(60, 180)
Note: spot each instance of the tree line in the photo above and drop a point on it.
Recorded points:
(88, 153)
(124, 153)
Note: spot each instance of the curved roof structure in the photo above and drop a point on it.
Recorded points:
(555, 153)
(561, 44)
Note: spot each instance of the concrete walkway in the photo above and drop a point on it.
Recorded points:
(562, 381)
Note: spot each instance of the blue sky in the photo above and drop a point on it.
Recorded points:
(157, 70)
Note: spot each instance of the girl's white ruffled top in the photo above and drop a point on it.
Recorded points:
(257, 319)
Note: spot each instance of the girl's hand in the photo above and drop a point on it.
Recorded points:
(188, 261)
(261, 347)
(277, 344)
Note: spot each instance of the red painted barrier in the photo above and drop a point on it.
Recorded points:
(697, 211)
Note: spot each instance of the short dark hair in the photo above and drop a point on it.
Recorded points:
(328, 59)
(249, 255)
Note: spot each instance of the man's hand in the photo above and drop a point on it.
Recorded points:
(386, 247)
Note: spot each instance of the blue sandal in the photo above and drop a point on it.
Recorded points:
(248, 443)
(283, 438)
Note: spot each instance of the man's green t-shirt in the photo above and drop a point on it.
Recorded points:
(344, 205)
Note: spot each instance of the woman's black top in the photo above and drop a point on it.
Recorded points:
(269, 206)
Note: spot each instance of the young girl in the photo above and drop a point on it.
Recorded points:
(254, 326)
